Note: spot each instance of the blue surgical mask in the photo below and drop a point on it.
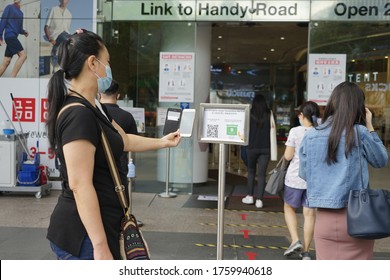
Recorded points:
(104, 82)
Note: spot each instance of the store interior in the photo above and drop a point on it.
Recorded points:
(248, 58)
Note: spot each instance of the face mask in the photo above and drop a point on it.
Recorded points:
(104, 82)
(300, 122)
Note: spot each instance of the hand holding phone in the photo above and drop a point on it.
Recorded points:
(172, 121)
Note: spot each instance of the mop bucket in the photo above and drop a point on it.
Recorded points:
(30, 173)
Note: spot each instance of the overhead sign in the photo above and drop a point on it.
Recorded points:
(196, 10)
(357, 10)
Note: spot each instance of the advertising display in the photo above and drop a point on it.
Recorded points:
(29, 115)
(57, 22)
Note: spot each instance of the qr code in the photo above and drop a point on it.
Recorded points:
(212, 131)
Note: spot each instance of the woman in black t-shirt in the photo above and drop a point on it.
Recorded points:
(258, 150)
(86, 220)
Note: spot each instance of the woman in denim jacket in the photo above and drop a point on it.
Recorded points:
(330, 164)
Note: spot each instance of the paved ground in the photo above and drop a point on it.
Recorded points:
(179, 228)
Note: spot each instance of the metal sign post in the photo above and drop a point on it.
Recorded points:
(167, 194)
(221, 201)
(223, 124)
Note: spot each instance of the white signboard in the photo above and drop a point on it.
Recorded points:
(161, 116)
(139, 117)
(176, 77)
(325, 72)
(356, 10)
(224, 123)
(211, 10)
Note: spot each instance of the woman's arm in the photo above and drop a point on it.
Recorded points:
(289, 152)
(79, 158)
(369, 125)
(376, 153)
(302, 159)
(136, 143)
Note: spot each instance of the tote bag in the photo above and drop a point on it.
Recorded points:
(275, 182)
(368, 211)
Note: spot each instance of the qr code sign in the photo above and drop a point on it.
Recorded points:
(212, 131)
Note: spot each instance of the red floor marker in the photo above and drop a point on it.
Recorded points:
(246, 232)
(243, 216)
(251, 255)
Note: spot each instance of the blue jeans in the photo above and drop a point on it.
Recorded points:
(259, 158)
(86, 251)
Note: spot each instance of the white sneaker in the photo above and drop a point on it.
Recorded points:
(248, 199)
(259, 203)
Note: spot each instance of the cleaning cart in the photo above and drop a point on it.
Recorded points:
(19, 172)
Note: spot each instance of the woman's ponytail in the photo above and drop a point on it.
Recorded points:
(56, 97)
(314, 119)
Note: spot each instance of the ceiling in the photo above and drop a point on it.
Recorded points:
(250, 42)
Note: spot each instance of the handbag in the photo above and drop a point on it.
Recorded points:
(275, 182)
(368, 211)
(131, 241)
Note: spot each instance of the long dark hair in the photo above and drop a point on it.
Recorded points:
(72, 55)
(344, 109)
(310, 111)
(260, 110)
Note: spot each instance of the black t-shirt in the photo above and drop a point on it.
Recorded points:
(123, 118)
(66, 229)
(126, 122)
(259, 137)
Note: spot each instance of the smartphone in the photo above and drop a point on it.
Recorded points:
(172, 121)
(187, 122)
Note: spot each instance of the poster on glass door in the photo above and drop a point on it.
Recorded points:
(176, 77)
(325, 72)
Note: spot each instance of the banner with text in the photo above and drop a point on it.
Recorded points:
(193, 10)
(325, 72)
(31, 109)
(176, 77)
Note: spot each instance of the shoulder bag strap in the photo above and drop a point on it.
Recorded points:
(119, 187)
(67, 106)
(360, 155)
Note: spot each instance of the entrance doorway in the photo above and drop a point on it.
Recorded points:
(266, 58)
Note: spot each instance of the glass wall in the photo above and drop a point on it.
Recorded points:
(367, 47)
(135, 52)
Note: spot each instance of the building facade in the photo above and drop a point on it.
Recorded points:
(172, 53)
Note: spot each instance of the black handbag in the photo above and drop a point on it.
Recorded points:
(275, 184)
(131, 242)
(368, 212)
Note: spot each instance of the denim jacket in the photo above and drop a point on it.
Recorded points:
(328, 186)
